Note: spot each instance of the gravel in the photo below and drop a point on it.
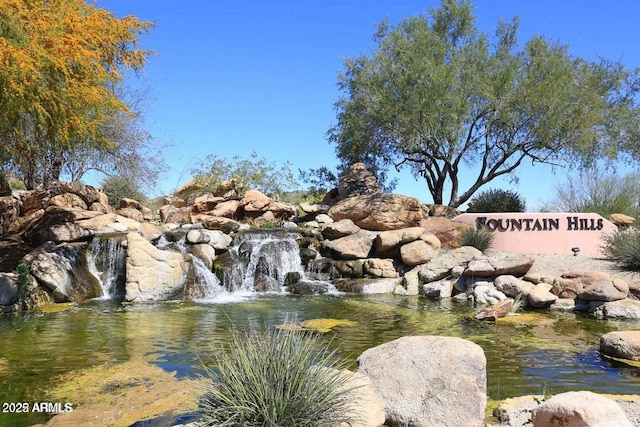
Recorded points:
(555, 265)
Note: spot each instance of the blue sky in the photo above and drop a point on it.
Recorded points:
(233, 77)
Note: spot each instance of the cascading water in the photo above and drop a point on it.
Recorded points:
(261, 259)
(107, 262)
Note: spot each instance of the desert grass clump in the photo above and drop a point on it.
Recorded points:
(623, 247)
(275, 378)
(480, 238)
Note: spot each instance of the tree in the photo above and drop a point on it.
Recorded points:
(437, 96)
(255, 174)
(59, 61)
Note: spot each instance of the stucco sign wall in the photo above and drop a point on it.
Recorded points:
(543, 233)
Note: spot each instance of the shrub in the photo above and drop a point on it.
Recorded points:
(623, 247)
(604, 193)
(119, 187)
(273, 378)
(480, 238)
(497, 201)
(22, 284)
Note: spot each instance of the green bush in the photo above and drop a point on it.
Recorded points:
(119, 187)
(492, 201)
(480, 238)
(623, 247)
(22, 284)
(273, 378)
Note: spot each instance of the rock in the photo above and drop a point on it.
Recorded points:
(481, 267)
(130, 224)
(356, 180)
(579, 408)
(170, 213)
(289, 225)
(226, 209)
(605, 290)
(419, 388)
(585, 277)
(377, 267)
(9, 213)
(443, 211)
(415, 253)
(352, 269)
(206, 202)
(512, 286)
(621, 309)
(68, 232)
(314, 207)
(389, 240)
(205, 253)
(324, 219)
(87, 193)
(634, 288)
(254, 201)
(486, 293)
(621, 219)
(379, 211)
(567, 288)
(8, 289)
(365, 403)
(190, 187)
(219, 240)
(130, 203)
(64, 272)
(265, 283)
(223, 224)
(448, 232)
(366, 286)
(496, 311)
(131, 213)
(198, 236)
(621, 344)
(511, 263)
(540, 296)
(337, 229)
(68, 200)
(147, 214)
(153, 274)
(150, 231)
(308, 288)
(99, 207)
(99, 223)
(439, 289)
(354, 246)
(440, 266)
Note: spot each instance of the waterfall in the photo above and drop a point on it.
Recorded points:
(107, 262)
(261, 259)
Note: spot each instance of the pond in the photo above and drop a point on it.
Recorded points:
(554, 351)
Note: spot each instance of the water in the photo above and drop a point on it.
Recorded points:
(107, 258)
(556, 351)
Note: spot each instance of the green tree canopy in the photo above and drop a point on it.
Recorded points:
(437, 96)
(59, 62)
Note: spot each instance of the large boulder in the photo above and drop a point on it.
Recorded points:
(354, 246)
(429, 381)
(337, 229)
(389, 240)
(621, 309)
(440, 266)
(153, 274)
(500, 263)
(380, 212)
(356, 180)
(448, 232)
(365, 403)
(577, 409)
(64, 272)
(540, 296)
(210, 222)
(68, 200)
(377, 267)
(512, 286)
(417, 252)
(605, 290)
(254, 201)
(206, 202)
(366, 286)
(9, 210)
(621, 344)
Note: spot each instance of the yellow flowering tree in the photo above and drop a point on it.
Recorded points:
(60, 61)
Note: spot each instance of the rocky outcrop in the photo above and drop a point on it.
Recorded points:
(379, 212)
(429, 381)
(153, 274)
(579, 408)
